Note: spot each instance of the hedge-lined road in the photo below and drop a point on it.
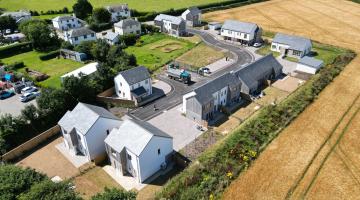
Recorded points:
(174, 98)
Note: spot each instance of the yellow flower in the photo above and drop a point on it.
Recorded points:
(211, 197)
(252, 153)
(229, 175)
(245, 158)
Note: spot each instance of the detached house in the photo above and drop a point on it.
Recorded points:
(241, 32)
(192, 16)
(76, 36)
(171, 25)
(64, 23)
(118, 12)
(110, 37)
(291, 45)
(133, 84)
(139, 149)
(128, 26)
(85, 128)
(18, 16)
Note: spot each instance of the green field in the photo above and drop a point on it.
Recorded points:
(148, 5)
(54, 67)
(153, 51)
(48, 16)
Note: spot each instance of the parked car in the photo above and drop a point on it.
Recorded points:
(257, 44)
(6, 94)
(204, 70)
(28, 96)
(29, 89)
(18, 86)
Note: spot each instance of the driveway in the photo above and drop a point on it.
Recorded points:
(182, 129)
(13, 105)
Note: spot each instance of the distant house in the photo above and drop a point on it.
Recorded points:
(73, 55)
(133, 84)
(85, 128)
(76, 36)
(171, 25)
(309, 65)
(111, 37)
(82, 71)
(214, 26)
(139, 149)
(128, 26)
(241, 32)
(118, 12)
(291, 45)
(18, 16)
(64, 23)
(192, 16)
(205, 102)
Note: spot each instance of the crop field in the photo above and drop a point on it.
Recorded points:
(148, 5)
(317, 155)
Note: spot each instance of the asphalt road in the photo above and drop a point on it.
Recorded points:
(174, 98)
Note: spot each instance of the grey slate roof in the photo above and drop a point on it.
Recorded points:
(251, 74)
(16, 14)
(127, 22)
(311, 62)
(172, 19)
(135, 74)
(77, 32)
(194, 11)
(133, 135)
(118, 8)
(204, 92)
(62, 18)
(111, 35)
(83, 117)
(295, 42)
(238, 26)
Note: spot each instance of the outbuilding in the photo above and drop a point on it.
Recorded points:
(214, 26)
(309, 65)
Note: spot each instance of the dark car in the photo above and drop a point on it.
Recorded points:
(18, 86)
(6, 94)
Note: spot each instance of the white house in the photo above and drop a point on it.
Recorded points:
(85, 128)
(171, 25)
(309, 65)
(64, 23)
(192, 16)
(118, 12)
(76, 36)
(128, 26)
(241, 32)
(133, 84)
(139, 149)
(214, 26)
(18, 16)
(110, 37)
(291, 45)
(82, 71)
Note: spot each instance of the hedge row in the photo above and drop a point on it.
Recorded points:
(100, 27)
(50, 55)
(15, 65)
(219, 166)
(15, 49)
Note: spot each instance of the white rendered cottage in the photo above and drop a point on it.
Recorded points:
(64, 23)
(133, 84)
(128, 26)
(76, 36)
(85, 128)
(118, 12)
(139, 149)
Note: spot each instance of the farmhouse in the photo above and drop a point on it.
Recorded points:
(192, 16)
(139, 149)
(18, 16)
(309, 65)
(82, 71)
(241, 32)
(118, 12)
(171, 25)
(110, 37)
(64, 23)
(133, 84)
(85, 128)
(128, 26)
(76, 36)
(291, 45)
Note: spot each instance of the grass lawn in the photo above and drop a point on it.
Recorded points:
(201, 56)
(54, 67)
(153, 51)
(265, 49)
(48, 16)
(148, 5)
(93, 182)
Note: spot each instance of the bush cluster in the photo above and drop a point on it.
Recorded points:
(15, 49)
(218, 166)
(100, 27)
(50, 55)
(15, 65)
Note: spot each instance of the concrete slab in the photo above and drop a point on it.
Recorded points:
(76, 160)
(288, 83)
(182, 129)
(127, 182)
(288, 66)
(161, 85)
(220, 64)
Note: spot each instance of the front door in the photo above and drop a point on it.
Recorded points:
(129, 166)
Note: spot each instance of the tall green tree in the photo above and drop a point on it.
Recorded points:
(100, 50)
(82, 9)
(115, 194)
(7, 22)
(85, 47)
(88, 87)
(101, 15)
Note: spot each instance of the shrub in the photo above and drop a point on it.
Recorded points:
(100, 27)
(16, 65)
(128, 40)
(15, 49)
(50, 55)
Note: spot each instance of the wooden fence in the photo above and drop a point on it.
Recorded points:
(107, 97)
(31, 144)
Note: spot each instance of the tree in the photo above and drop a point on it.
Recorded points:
(48, 190)
(15, 180)
(82, 9)
(7, 22)
(100, 50)
(29, 113)
(115, 194)
(101, 15)
(65, 10)
(39, 34)
(85, 47)
(67, 45)
(88, 87)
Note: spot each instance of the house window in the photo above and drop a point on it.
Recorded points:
(230, 32)
(107, 132)
(76, 38)
(159, 152)
(146, 81)
(129, 157)
(92, 35)
(245, 36)
(273, 46)
(120, 84)
(85, 36)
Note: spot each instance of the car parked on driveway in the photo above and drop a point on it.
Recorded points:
(28, 96)
(257, 44)
(28, 89)
(6, 94)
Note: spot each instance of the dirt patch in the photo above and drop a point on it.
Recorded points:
(297, 164)
(288, 84)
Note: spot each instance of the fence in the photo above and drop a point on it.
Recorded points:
(31, 144)
(107, 97)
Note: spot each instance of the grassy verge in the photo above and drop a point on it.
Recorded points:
(220, 165)
(153, 51)
(265, 49)
(54, 67)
